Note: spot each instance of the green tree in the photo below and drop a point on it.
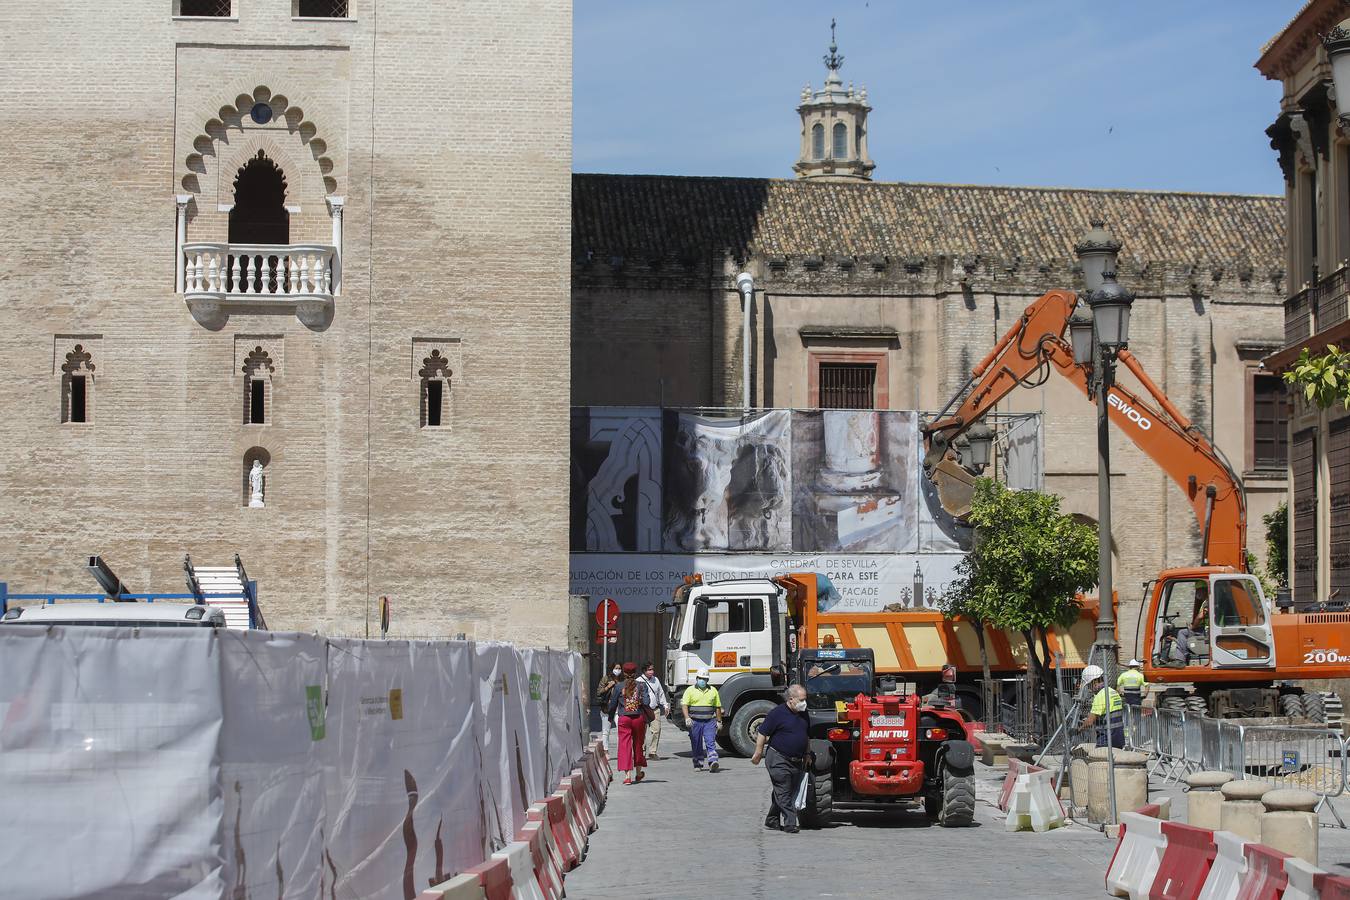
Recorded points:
(1324, 378)
(1277, 545)
(1028, 564)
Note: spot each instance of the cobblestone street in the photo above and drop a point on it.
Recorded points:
(686, 834)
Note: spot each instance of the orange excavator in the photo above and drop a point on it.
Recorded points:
(1208, 625)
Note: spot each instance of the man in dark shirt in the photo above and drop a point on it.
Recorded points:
(784, 730)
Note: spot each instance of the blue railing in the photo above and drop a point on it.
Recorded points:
(255, 617)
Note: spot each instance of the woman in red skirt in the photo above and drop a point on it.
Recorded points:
(629, 704)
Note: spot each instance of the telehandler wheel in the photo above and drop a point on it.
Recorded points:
(957, 807)
(819, 810)
(1313, 707)
(745, 724)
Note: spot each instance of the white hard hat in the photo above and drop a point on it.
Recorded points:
(1092, 673)
(702, 672)
(1135, 663)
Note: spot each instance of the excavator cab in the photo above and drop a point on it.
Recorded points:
(1208, 620)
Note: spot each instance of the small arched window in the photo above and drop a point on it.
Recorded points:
(77, 386)
(840, 141)
(817, 141)
(258, 369)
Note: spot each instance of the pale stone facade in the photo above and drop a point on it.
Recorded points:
(1314, 154)
(920, 281)
(425, 150)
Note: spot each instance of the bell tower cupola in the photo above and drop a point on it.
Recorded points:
(834, 127)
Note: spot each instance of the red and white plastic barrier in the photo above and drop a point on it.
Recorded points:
(1015, 767)
(552, 842)
(494, 878)
(520, 863)
(462, 887)
(1172, 861)
(1137, 857)
(546, 872)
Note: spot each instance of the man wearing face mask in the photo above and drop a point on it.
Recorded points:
(603, 691)
(784, 730)
(702, 708)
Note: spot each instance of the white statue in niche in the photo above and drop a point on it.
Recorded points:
(255, 485)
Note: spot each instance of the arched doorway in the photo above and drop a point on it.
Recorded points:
(259, 214)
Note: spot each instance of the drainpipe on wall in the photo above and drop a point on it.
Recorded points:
(745, 283)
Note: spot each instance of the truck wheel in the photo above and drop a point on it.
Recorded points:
(1291, 705)
(1313, 707)
(819, 801)
(745, 724)
(957, 808)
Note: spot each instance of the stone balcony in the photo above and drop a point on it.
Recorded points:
(217, 278)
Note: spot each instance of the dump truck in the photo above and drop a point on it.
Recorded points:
(747, 633)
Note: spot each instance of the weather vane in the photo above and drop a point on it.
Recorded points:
(834, 60)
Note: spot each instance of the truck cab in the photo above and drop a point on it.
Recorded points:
(740, 632)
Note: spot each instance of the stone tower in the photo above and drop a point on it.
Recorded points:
(834, 127)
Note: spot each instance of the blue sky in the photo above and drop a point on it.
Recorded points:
(1140, 94)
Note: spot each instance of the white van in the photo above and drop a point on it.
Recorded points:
(123, 614)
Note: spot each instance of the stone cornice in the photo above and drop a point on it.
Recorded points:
(1299, 40)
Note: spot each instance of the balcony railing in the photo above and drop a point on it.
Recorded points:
(1317, 308)
(217, 276)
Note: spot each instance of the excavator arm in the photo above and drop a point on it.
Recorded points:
(1178, 446)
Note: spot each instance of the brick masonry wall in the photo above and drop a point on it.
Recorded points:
(448, 131)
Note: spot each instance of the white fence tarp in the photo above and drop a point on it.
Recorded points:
(108, 771)
(195, 763)
(272, 762)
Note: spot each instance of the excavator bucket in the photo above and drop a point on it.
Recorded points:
(955, 487)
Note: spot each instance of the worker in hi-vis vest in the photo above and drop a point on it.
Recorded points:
(1107, 715)
(1131, 684)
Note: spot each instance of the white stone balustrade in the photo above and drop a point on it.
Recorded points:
(217, 275)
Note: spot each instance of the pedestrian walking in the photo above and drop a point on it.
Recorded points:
(702, 708)
(1108, 710)
(784, 731)
(1131, 684)
(660, 705)
(604, 692)
(630, 704)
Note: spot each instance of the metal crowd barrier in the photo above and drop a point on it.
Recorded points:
(1310, 757)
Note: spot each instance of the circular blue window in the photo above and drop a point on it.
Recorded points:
(260, 113)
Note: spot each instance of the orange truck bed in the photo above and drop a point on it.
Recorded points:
(923, 640)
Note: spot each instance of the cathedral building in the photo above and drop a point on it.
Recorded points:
(288, 279)
(884, 295)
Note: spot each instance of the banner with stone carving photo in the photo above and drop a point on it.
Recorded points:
(855, 477)
(728, 482)
(616, 480)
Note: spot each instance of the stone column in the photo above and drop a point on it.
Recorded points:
(1204, 798)
(335, 204)
(181, 200)
(1290, 823)
(1242, 810)
(1131, 781)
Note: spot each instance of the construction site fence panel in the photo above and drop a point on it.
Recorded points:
(210, 763)
(1308, 756)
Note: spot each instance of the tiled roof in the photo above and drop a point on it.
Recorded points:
(664, 215)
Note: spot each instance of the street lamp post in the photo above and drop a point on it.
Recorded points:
(1110, 318)
(745, 284)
